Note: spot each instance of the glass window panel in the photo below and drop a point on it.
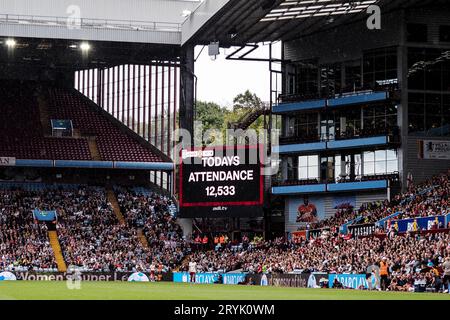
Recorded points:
(313, 160)
(313, 172)
(391, 155)
(369, 156)
(303, 173)
(368, 168)
(416, 123)
(380, 167)
(380, 155)
(303, 161)
(392, 166)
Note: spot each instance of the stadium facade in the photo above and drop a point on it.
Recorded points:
(364, 111)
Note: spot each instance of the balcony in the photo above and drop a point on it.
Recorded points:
(363, 183)
(349, 139)
(348, 96)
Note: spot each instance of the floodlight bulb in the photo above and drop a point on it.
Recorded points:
(85, 46)
(10, 43)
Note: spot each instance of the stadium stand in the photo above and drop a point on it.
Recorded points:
(113, 144)
(21, 136)
(150, 213)
(24, 244)
(330, 253)
(91, 238)
(425, 199)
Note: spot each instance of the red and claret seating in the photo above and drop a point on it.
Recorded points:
(21, 134)
(113, 143)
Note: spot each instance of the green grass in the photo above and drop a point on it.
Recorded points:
(35, 290)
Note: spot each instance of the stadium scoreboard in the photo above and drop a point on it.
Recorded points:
(221, 182)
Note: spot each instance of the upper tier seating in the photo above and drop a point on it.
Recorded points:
(113, 143)
(21, 130)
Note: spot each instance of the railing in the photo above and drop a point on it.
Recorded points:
(393, 177)
(90, 23)
(345, 92)
(393, 132)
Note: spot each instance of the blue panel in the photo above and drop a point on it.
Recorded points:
(382, 221)
(83, 164)
(363, 185)
(343, 229)
(305, 105)
(34, 163)
(299, 147)
(144, 165)
(362, 98)
(299, 189)
(361, 142)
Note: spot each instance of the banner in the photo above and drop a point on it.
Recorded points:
(294, 280)
(211, 277)
(344, 202)
(7, 276)
(138, 277)
(7, 161)
(434, 149)
(362, 229)
(305, 210)
(351, 281)
(312, 234)
(83, 276)
(417, 224)
(44, 215)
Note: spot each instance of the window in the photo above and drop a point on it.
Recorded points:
(429, 113)
(307, 82)
(308, 167)
(444, 33)
(380, 162)
(379, 66)
(306, 125)
(417, 32)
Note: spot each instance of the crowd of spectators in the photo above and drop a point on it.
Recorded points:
(411, 258)
(150, 212)
(24, 244)
(429, 198)
(90, 235)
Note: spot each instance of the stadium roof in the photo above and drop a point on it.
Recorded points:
(241, 22)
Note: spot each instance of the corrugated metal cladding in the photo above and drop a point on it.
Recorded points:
(339, 44)
(31, 31)
(431, 17)
(361, 198)
(424, 168)
(134, 10)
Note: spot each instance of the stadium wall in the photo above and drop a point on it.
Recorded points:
(422, 169)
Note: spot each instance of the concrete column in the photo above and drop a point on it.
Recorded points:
(402, 110)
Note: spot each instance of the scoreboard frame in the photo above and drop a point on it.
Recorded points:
(201, 209)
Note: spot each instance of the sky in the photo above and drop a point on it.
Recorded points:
(221, 80)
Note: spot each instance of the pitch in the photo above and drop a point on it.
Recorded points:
(30, 290)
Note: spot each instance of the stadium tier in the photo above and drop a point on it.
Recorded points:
(90, 236)
(113, 144)
(22, 129)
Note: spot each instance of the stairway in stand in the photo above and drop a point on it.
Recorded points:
(54, 242)
(111, 196)
(142, 238)
(93, 148)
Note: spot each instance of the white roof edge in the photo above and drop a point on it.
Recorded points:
(199, 17)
